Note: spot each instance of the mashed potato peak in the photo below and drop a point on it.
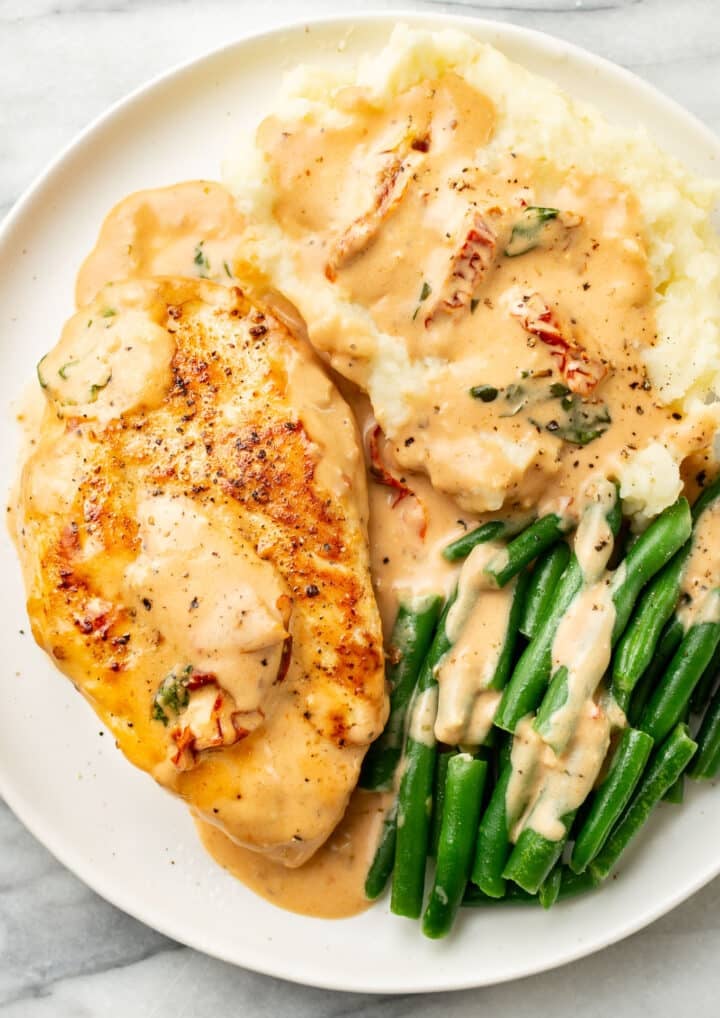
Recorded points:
(557, 138)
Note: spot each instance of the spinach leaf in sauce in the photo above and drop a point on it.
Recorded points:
(527, 230)
(564, 414)
(580, 423)
(172, 695)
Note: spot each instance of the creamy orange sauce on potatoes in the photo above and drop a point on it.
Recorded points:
(546, 321)
(493, 366)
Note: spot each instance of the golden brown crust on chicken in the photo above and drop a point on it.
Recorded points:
(193, 538)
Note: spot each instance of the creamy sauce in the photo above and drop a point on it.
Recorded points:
(473, 579)
(582, 645)
(388, 210)
(423, 711)
(593, 542)
(477, 628)
(699, 599)
(190, 229)
(328, 886)
(223, 608)
(583, 642)
(110, 362)
(527, 746)
(548, 786)
(406, 537)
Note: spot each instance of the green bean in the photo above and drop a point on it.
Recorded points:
(493, 839)
(382, 864)
(703, 692)
(505, 752)
(543, 583)
(669, 643)
(461, 548)
(706, 765)
(441, 766)
(415, 794)
(640, 696)
(532, 672)
(642, 636)
(506, 658)
(610, 799)
(665, 767)
(474, 898)
(534, 856)
(649, 553)
(666, 535)
(521, 551)
(676, 792)
(492, 739)
(671, 697)
(549, 891)
(573, 884)
(409, 643)
(553, 701)
(641, 639)
(463, 795)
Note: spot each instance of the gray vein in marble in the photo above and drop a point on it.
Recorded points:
(41, 940)
(35, 10)
(543, 6)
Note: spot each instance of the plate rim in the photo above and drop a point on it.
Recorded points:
(24, 811)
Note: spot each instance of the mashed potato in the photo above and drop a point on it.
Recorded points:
(534, 120)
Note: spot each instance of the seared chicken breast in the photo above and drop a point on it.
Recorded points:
(192, 525)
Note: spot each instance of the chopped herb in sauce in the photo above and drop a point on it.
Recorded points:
(201, 260)
(227, 270)
(98, 386)
(560, 412)
(517, 397)
(172, 695)
(108, 312)
(485, 393)
(40, 376)
(424, 294)
(62, 371)
(527, 230)
(581, 422)
(474, 301)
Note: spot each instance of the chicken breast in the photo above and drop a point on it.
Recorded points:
(192, 526)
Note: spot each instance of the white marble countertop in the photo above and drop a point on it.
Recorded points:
(63, 951)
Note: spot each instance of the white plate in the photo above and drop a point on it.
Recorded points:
(62, 775)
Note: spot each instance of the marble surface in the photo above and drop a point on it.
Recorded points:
(65, 953)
